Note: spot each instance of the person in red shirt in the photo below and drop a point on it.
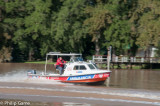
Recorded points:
(60, 65)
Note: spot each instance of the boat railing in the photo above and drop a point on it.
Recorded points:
(125, 59)
(135, 59)
(99, 58)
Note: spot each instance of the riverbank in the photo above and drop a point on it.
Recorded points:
(102, 66)
(39, 62)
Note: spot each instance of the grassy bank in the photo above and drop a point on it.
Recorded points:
(123, 66)
(103, 66)
(39, 62)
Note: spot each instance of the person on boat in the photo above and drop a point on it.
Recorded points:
(60, 65)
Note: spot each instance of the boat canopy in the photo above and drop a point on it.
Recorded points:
(60, 54)
(63, 54)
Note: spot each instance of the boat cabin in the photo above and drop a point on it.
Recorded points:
(80, 67)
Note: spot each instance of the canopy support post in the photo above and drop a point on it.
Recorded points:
(46, 65)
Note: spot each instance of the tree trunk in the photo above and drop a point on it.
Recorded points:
(97, 48)
(30, 55)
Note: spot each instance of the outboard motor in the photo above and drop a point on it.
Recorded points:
(31, 72)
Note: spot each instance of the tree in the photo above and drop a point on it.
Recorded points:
(108, 23)
(118, 33)
(28, 20)
(99, 19)
(146, 19)
(1, 27)
(67, 29)
(5, 39)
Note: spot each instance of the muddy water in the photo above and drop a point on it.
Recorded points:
(10, 67)
(134, 79)
(127, 87)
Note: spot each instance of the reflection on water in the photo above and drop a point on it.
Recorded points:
(10, 67)
(136, 79)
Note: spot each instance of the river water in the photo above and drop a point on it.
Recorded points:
(124, 84)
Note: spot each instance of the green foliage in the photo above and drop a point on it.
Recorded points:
(68, 26)
(118, 35)
(99, 17)
(147, 19)
(5, 39)
(36, 27)
(29, 20)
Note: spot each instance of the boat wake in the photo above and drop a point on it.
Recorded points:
(21, 76)
(13, 76)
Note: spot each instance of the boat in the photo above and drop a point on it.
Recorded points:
(75, 71)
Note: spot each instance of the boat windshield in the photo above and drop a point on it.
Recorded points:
(91, 66)
(76, 59)
(95, 66)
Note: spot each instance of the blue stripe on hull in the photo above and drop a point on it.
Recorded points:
(80, 77)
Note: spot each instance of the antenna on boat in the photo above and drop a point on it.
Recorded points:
(46, 65)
